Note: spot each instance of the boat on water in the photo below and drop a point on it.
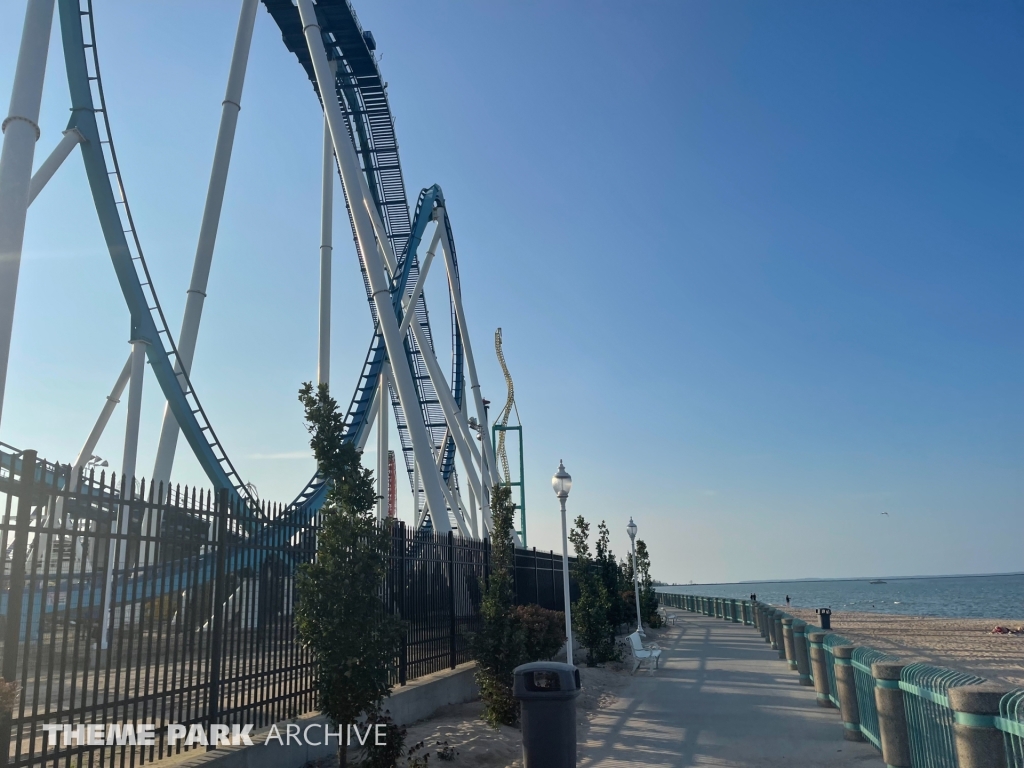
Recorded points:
(878, 581)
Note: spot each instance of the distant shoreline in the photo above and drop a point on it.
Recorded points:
(843, 578)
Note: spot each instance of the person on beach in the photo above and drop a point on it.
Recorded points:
(787, 600)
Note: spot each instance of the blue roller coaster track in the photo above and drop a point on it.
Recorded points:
(361, 93)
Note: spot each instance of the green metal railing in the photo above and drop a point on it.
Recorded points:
(929, 716)
(828, 643)
(1011, 723)
(863, 658)
(807, 639)
(728, 609)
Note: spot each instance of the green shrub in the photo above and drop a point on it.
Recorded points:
(543, 631)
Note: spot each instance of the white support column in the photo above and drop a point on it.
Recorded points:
(449, 497)
(382, 445)
(474, 382)
(453, 415)
(371, 416)
(469, 517)
(230, 108)
(101, 423)
(373, 260)
(473, 513)
(21, 131)
(323, 368)
(416, 517)
(409, 307)
(131, 432)
(72, 138)
(117, 548)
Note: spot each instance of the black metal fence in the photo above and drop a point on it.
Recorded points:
(538, 579)
(176, 606)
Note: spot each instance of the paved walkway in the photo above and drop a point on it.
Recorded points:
(721, 698)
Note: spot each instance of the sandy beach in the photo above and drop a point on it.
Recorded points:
(966, 644)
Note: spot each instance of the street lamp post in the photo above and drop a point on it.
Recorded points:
(631, 530)
(562, 482)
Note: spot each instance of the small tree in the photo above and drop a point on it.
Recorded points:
(497, 647)
(590, 612)
(341, 616)
(648, 597)
(612, 578)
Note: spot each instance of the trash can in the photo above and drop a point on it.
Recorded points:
(546, 692)
(826, 617)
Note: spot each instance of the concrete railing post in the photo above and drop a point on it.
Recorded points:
(789, 647)
(735, 612)
(819, 663)
(892, 715)
(846, 687)
(755, 615)
(769, 625)
(978, 743)
(780, 642)
(773, 637)
(803, 662)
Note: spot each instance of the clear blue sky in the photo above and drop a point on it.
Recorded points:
(758, 265)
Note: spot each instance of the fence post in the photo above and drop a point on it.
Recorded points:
(818, 664)
(788, 645)
(780, 641)
(892, 714)
(536, 577)
(403, 660)
(16, 590)
(451, 595)
(846, 687)
(803, 663)
(772, 640)
(978, 743)
(221, 507)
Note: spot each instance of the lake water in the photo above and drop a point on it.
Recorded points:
(984, 597)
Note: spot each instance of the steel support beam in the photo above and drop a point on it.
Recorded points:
(101, 423)
(230, 108)
(72, 138)
(323, 367)
(131, 431)
(21, 131)
(374, 262)
(382, 445)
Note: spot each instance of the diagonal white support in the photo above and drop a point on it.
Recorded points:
(474, 382)
(101, 423)
(72, 138)
(374, 262)
(409, 306)
(131, 431)
(230, 108)
(453, 415)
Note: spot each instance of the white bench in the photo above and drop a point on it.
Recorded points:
(641, 654)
